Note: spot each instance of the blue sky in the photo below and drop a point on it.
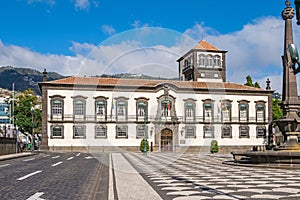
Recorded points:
(61, 34)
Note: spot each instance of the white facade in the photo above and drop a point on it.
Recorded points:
(187, 125)
(180, 115)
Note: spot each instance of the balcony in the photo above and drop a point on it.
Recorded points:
(153, 119)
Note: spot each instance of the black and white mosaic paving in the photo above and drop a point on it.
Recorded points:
(200, 176)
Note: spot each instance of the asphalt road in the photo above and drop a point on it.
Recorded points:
(55, 176)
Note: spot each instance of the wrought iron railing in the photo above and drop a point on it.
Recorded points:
(152, 118)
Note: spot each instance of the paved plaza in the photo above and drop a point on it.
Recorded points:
(203, 176)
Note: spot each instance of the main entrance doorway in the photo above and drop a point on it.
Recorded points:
(166, 140)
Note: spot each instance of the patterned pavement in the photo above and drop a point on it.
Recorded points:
(201, 176)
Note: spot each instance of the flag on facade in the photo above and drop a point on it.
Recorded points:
(169, 104)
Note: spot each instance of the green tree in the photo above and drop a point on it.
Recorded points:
(26, 112)
(143, 144)
(249, 82)
(276, 109)
(256, 84)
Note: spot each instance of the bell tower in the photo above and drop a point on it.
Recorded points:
(203, 63)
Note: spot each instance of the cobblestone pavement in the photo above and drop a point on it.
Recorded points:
(189, 176)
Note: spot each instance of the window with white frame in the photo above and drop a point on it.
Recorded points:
(57, 131)
(260, 131)
(79, 131)
(166, 106)
(121, 108)
(79, 107)
(208, 111)
(57, 106)
(217, 61)
(226, 111)
(189, 110)
(260, 112)
(101, 108)
(243, 111)
(190, 132)
(244, 131)
(201, 60)
(121, 131)
(208, 132)
(100, 131)
(226, 132)
(141, 132)
(141, 107)
(210, 61)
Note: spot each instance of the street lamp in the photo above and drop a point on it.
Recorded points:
(32, 134)
(145, 138)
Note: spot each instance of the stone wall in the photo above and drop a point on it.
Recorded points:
(7, 145)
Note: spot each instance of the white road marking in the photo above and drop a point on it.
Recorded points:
(28, 175)
(46, 156)
(56, 164)
(5, 165)
(78, 154)
(55, 157)
(29, 159)
(70, 158)
(89, 157)
(36, 196)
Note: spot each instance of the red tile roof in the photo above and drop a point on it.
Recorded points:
(203, 45)
(94, 81)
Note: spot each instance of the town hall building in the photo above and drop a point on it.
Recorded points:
(113, 114)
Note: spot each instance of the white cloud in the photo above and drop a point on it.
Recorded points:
(255, 50)
(139, 24)
(107, 29)
(82, 4)
(50, 2)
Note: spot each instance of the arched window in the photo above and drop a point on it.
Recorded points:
(79, 108)
(217, 61)
(208, 111)
(226, 111)
(121, 131)
(141, 109)
(121, 110)
(78, 131)
(226, 132)
(57, 107)
(189, 109)
(201, 60)
(243, 111)
(244, 132)
(100, 131)
(57, 131)
(210, 61)
(100, 108)
(166, 106)
(260, 112)
(260, 131)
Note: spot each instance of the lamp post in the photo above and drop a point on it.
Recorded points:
(145, 138)
(32, 133)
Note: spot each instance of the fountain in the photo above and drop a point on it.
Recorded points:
(289, 124)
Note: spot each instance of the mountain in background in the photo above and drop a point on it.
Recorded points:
(24, 78)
